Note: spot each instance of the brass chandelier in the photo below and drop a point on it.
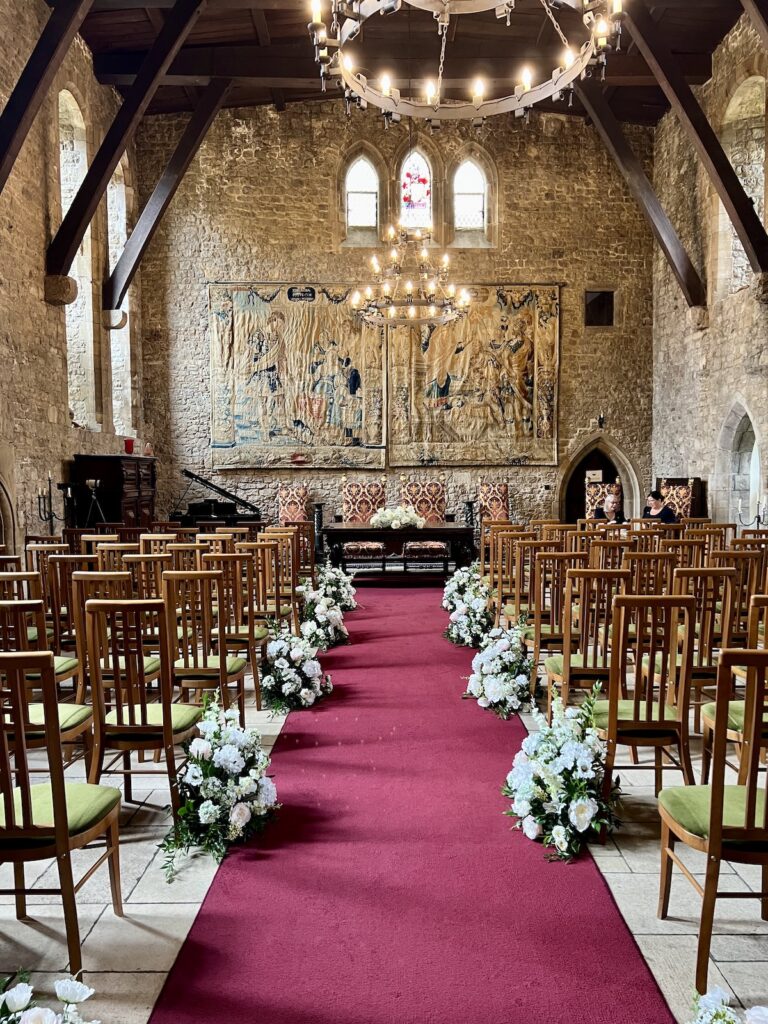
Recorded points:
(407, 287)
(333, 53)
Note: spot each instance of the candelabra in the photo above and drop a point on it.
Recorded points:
(761, 516)
(45, 507)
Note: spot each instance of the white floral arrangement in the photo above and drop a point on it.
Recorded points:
(556, 782)
(337, 584)
(226, 794)
(501, 673)
(713, 1008)
(397, 518)
(292, 678)
(18, 1005)
(464, 581)
(322, 619)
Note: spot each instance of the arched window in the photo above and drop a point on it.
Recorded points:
(743, 139)
(119, 340)
(416, 192)
(73, 164)
(361, 188)
(470, 192)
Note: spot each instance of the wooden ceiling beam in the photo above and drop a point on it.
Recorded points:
(32, 87)
(757, 11)
(261, 28)
(63, 248)
(738, 205)
(119, 281)
(608, 128)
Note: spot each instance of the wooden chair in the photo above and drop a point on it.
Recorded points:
(549, 607)
(187, 556)
(163, 526)
(267, 602)
(10, 563)
(130, 534)
(90, 541)
(712, 590)
(305, 535)
(429, 498)
(71, 537)
(539, 524)
(695, 521)
(25, 586)
(524, 597)
(755, 544)
(492, 502)
(557, 531)
(589, 597)
(155, 543)
(190, 598)
(689, 554)
(724, 822)
(609, 554)
(87, 586)
(502, 575)
(716, 537)
(133, 704)
(37, 557)
(147, 573)
(656, 713)
(288, 553)
(48, 820)
(61, 569)
(359, 503)
(651, 571)
(487, 530)
(748, 568)
(110, 556)
(292, 503)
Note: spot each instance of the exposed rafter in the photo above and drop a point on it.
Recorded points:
(628, 163)
(120, 280)
(24, 102)
(737, 203)
(758, 15)
(65, 244)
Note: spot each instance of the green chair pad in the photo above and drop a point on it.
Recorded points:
(658, 660)
(626, 712)
(554, 665)
(32, 633)
(513, 611)
(86, 805)
(241, 633)
(183, 717)
(233, 667)
(735, 714)
(70, 716)
(62, 665)
(689, 806)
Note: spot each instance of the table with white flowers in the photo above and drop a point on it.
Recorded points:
(459, 538)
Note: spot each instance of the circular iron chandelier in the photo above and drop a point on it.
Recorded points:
(407, 288)
(602, 19)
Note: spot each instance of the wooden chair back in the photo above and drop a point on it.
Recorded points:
(695, 521)
(305, 534)
(525, 569)
(217, 542)
(61, 569)
(689, 554)
(94, 586)
(110, 556)
(186, 534)
(487, 527)
(609, 554)
(190, 599)
(71, 537)
(155, 543)
(755, 544)
(130, 534)
(267, 592)
(288, 550)
(21, 586)
(651, 571)
(748, 567)
(147, 573)
(712, 590)
(550, 572)
(37, 557)
(716, 537)
(588, 613)
(237, 588)
(22, 626)
(539, 524)
(90, 541)
(10, 563)
(557, 531)
(502, 564)
(187, 557)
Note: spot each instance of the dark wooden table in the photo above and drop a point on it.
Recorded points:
(459, 538)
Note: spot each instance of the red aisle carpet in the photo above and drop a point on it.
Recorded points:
(391, 890)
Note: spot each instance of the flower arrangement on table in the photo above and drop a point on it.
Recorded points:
(397, 518)
(501, 673)
(18, 1005)
(337, 584)
(557, 780)
(292, 677)
(322, 622)
(713, 1008)
(226, 794)
(466, 580)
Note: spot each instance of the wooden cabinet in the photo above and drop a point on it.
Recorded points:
(125, 492)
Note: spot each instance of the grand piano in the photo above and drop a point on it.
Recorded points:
(228, 511)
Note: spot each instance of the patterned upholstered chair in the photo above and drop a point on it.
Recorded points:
(678, 497)
(597, 493)
(359, 501)
(428, 498)
(492, 501)
(292, 503)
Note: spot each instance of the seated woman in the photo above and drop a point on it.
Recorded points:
(610, 510)
(656, 509)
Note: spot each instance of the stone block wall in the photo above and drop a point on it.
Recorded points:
(36, 435)
(705, 381)
(262, 202)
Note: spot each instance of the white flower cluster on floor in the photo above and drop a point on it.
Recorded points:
(501, 673)
(397, 518)
(322, 620)
(338, 585)
(557, 780)
(225, 793)
(18, 1006)
(293, 677)
(713, 1008)
(467, 597)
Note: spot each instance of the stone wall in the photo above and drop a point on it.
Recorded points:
(705, 381)
(262, 202)
(36, 434)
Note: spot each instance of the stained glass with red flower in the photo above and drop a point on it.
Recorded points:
(416, 192)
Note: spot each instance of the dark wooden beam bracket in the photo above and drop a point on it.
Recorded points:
(118, 283)
(27, 97)
(594, 102)
(66, 243)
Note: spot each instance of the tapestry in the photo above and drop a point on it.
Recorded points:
(480, 391)
(295, 380)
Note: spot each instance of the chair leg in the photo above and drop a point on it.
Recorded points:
(764, 900)
(170, 761)
(113, 844)
(128, 784)
(706, 752)
(668, 839)
(18, 884)
(684, 749)
(658, 773)
(97, 763)
(67, 883)
(707, 921)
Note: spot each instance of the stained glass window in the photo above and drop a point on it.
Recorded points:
(416, 192)
(362, 190)
(469, 192)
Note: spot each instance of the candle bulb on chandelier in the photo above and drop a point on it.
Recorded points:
(369, 292)
(601, 32)
(412, 312)
(391, 231)
(431, 91)
(385, 84)
(568, 57)
(478, 91)
(446, 259)
(424, 253)
(393, 255)
(526, 78)
(409, 287)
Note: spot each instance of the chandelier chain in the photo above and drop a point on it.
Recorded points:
(553, 19)
(444, 31)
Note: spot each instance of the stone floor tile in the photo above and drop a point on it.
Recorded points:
(194, 874)
(749, 980)
(119, 998)
(673, 962)
(149, 936)
(39, 941)
(740, 948)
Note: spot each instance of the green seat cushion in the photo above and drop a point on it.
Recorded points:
(513, 611)
(626, 712)
(86, 805)
(285, 609)
(62, 665)
(658, 660)
(183, 716)
(735, 714)
(241, 633)
(689, 806)
(554, 664)
(151, 666)
(32, 633)
(233, 667)
(70, 716)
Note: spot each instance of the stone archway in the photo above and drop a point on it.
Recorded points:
(597, 441)
(737, 479)
(8, 524)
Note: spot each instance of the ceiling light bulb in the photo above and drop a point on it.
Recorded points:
(478, 91)
(446, 259)
(355, 300)
(392, 312)
(369, 292)
(349, 64)
(618, 7)
(431, 91)
(412, 312)
(409, 286)
(390, 231)
(424, 253)
(393, 255)
(431, 287)
(601, 31)
(451, 290)
(526, 78)
(385, 288)
(568, 57)
(317, 14)
(385, 84)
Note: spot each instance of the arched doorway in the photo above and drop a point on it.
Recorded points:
(737, 483)
(7, 520)
(597, 454)
(595, 462)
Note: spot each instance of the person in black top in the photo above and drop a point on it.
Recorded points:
(610, 510)
(656, 509)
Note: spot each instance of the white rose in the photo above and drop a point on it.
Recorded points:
(207, 728)
(39, 1015)
(521, 808)
(17, 998)
(207, 813)
(581, 812)
(531, 828)
(560, 838)
(396, 524)
(307, 697)
(296, 654)
(240, 815)
(267, 792)
(68, 990)
(312, 669)
(756, 1015)
(201, 749)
